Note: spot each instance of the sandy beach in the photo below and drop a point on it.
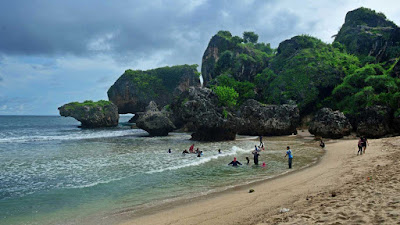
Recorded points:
(342, 188)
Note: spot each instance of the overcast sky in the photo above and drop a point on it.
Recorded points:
(54, 52)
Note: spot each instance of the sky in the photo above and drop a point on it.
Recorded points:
(53, 51)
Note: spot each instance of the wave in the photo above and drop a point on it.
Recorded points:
(74, 136)
(235, 150)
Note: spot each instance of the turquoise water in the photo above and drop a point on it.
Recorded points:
(52, 172)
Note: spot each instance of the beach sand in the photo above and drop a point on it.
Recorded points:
(342, 188)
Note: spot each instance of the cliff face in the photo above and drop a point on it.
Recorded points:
(227, 54)
(367, 33)
(134, 90)
(92, 114)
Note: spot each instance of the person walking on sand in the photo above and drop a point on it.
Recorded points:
(364, 143)
(360, 146)
(256, 155)
(234, 162)
(290, 154)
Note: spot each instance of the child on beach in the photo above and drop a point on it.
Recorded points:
(289, 153)
(364, 143)
(360, 146)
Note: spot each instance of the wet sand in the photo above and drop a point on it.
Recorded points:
(342, 188)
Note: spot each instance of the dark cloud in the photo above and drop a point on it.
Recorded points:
(132, 31)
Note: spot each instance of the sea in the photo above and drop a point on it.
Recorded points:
(53, 172)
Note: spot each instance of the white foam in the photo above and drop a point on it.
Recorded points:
(75, 136)
(235, 150)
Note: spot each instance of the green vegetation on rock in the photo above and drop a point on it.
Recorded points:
(227, 96)
(89, 103)
(359, 69)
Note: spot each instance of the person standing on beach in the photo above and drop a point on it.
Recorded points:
(364, 143)
(322, 144)
(261, 140)
(360, 146)
(290, 154)
(234, 162)
(256, 155)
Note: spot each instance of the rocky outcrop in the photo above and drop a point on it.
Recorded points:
(134, 90)
(330, 124)
(227, 54)
(375, 122)
(92, 114)
(199, 108)
(368, 33)
(268, 120)
(155, 122)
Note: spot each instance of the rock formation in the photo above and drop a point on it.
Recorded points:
(227, 53)
(375, 122)
(199, 107)
(92, 114)
(330, 124)
(268, 120)
(368, 33)
(155, 122)
(134, 90)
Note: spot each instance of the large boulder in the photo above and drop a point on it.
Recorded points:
(134, 89)
(200, 108)
(368, 33)
(268, 120)
(330, 124)
(154, 121)
(92, 114)
(375, 122)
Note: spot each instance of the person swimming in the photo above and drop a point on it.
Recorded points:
(169, 150)
(185, 152)
(234, 162)
(219, 151)
(199, 153)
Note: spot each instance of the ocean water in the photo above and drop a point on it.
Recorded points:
(52, 172)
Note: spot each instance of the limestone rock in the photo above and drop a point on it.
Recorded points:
(268, 120)
(134, 90)
(330, 124)
(92, 114)
(199, 107)
(375, 122)
(155, 122)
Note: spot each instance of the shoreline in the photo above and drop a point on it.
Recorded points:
(135, 213)
(270, 195)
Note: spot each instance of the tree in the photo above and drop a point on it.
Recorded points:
(249, 36)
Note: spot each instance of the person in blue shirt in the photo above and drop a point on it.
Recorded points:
(290, 154)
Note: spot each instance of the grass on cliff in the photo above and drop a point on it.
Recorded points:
(90, 103)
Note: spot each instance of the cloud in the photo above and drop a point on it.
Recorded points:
(55, 51)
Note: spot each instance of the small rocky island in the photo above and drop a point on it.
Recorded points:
(92, 114)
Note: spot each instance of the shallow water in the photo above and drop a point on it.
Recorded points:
(52, 172)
